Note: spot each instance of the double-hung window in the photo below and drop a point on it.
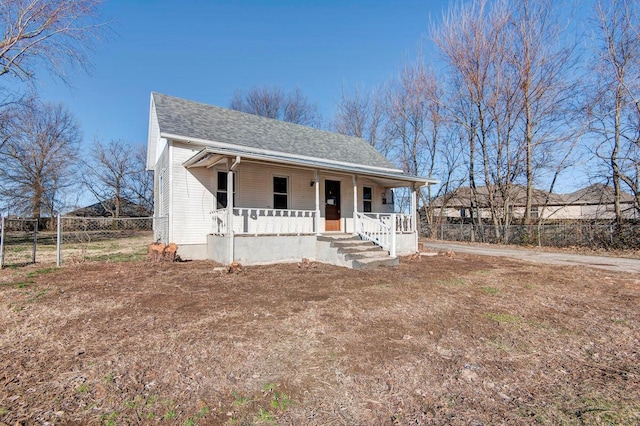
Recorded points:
(280, 192)
(222, 190)
(367, 199)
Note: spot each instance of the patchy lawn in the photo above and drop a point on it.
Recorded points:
(438, 340)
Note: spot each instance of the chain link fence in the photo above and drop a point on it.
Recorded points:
(76, 239)
(107, 239)
(18, 241)
(594, 235)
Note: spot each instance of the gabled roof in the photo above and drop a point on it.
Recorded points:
(597, 193)
(230, 133)
(517, 194)
(181, 119)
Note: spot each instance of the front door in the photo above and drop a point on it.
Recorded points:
(332, 205)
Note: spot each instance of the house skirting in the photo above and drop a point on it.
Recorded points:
(266, 249)
(193, 251)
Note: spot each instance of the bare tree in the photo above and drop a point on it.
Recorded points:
(273, 102)
(38, 158)
(11, 109)
(50, 33)
(415, 121)
(615, 109)
(473, 40)
(111, 174)
(511, 89)
(542, 58)
(297, 109)
(360, 113)
(141, 182)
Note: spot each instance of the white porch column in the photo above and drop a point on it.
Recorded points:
(316, 178)
(355, 204)
(230, 190)
(392, 251)
(414, 215)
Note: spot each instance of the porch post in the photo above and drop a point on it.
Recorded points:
(317, 186)
(414, 215)
(355, 204)
(230, 190)
(392, 251)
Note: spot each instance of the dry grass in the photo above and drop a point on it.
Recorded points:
(462, 340)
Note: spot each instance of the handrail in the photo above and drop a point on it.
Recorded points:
(219, 221)
(404, 222)
(378, 231)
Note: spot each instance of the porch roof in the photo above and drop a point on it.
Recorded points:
(209, 157)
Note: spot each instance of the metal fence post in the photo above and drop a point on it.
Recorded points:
(35, 238)
(58, 241)
(2, 245)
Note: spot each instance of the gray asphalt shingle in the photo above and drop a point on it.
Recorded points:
(210, 123)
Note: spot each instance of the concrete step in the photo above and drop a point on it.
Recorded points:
(351, 243)
(360, 254)
(374, 262)
(338, 237)
(360, 249)
(378, 254)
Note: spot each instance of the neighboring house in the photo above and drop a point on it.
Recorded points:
(239, 187)
(593, 202)
(105, 209)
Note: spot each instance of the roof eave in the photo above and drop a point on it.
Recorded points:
(213, 144)
(197, 161)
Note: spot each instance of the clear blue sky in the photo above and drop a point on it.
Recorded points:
(205, 50)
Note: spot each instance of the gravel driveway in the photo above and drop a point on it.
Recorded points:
(618, 264)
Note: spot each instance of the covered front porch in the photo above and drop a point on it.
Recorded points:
(266, 211)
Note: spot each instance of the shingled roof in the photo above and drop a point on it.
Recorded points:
(188, 120)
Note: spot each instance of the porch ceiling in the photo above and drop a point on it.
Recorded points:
(208, 157)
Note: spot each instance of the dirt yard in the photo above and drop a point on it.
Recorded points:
(459, 339)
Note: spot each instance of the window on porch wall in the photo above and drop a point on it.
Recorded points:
(280, 192)
(221, 193)
(367, 198)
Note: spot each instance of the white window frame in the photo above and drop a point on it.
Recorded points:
(274, 193)
(369, 200)
(226, 190)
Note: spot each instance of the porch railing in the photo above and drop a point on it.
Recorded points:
(258, 221)
(219, 221)
(378, 230)
(404, 222)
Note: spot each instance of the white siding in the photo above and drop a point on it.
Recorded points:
(255, 186)
(153, 150)
(377, 190)
(191, 198)
(161, 168)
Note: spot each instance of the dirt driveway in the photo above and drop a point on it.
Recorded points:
(618, 264)
(447, 340)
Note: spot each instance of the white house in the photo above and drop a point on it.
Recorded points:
(239, 187)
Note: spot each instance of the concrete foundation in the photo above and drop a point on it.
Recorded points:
(265, 249)
(193, 251)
